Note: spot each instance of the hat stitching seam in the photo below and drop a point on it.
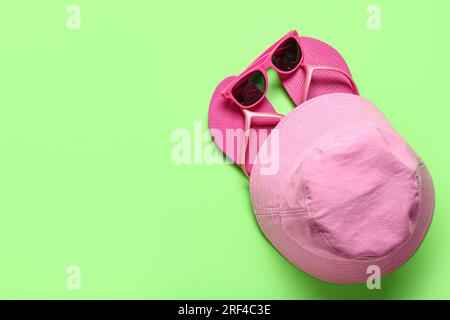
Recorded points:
(406, 242)
(276, 212)
(314, 226)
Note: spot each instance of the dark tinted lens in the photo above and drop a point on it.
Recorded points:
(287, 56)
(250, 89)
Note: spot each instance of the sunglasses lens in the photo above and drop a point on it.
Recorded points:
(287, 56)
(250, 89)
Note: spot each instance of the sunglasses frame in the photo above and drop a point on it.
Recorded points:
(249, 116)
(261, 64)
(264, 62)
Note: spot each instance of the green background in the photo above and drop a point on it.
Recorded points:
(86, 118)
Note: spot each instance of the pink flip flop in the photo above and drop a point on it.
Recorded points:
(241, 117)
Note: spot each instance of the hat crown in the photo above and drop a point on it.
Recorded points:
(361, 192)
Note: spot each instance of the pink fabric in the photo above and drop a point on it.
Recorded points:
(348, 193)
(224, 115)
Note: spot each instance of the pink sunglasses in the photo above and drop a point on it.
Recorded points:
(285, 56)
(250, 88)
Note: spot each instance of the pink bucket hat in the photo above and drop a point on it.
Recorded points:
(348, 191)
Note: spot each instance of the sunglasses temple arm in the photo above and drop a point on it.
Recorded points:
(309, 73)
(249, 115)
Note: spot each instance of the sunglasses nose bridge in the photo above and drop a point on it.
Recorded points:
(267, 63)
